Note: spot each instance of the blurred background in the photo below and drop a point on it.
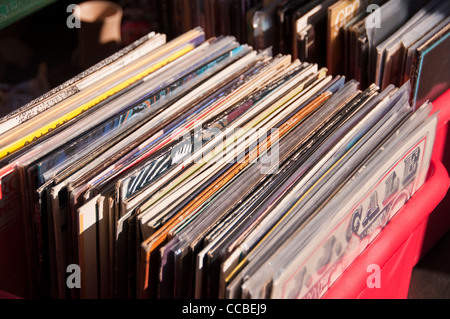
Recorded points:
(38, 51)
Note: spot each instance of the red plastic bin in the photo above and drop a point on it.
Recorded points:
(397, 248)
(410, 233)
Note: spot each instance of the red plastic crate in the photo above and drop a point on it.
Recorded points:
(397, 248)
(410, 234)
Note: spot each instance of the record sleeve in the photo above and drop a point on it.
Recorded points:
(339, 14)
(383, 55)
(396, 55)
(429, 77)
(311, 30)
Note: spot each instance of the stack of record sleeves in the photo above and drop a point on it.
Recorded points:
(203, 169)
(372, 41)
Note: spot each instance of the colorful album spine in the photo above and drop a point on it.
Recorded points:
(71, 87)
(29, 138)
